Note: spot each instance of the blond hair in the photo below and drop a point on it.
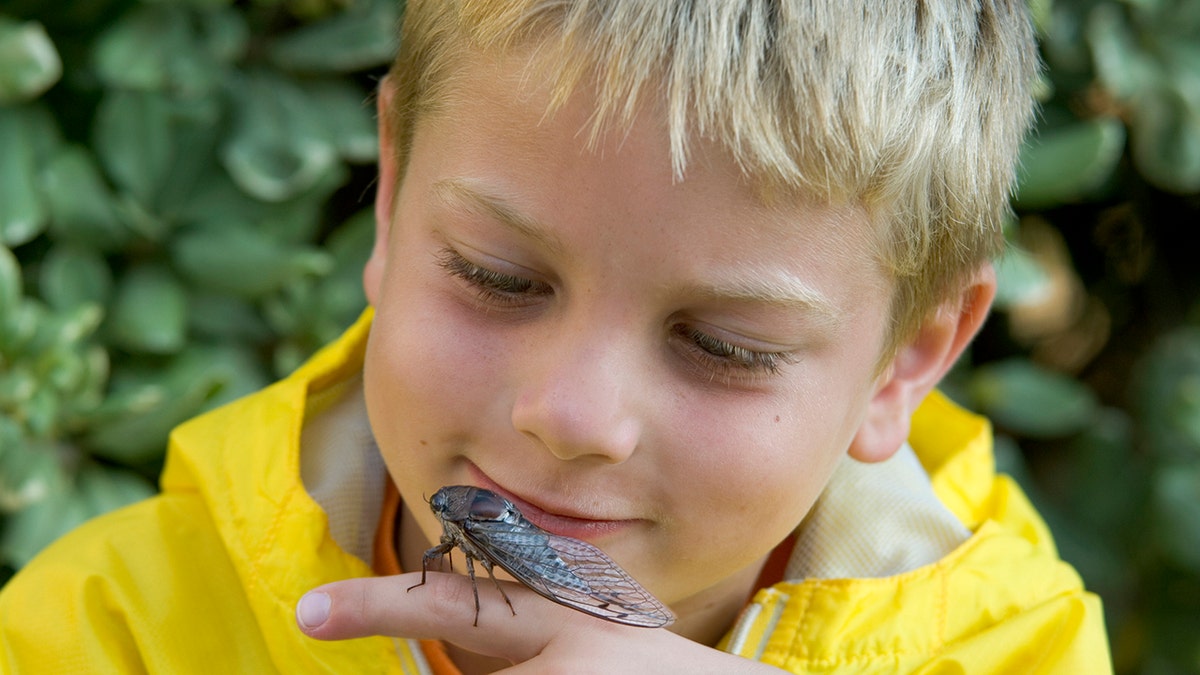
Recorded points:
(913, 109)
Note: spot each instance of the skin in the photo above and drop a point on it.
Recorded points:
(670, 369)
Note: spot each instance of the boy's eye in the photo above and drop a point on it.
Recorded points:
(728, 361)
(492, 286)
(714, 357)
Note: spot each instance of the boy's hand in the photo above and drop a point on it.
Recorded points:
(542, 637)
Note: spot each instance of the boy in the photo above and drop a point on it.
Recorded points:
(674, 278)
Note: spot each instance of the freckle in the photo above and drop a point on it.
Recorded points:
(777, 419)
(427, 443)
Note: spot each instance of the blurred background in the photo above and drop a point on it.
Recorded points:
(185, 189)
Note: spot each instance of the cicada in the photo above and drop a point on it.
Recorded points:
(573, 573)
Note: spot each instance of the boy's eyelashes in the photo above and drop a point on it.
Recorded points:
(730, 358)
(717, 358)
(492, 286)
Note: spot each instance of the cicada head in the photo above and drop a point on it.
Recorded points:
(450, 503)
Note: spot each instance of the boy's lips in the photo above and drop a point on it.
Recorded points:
(560, 520)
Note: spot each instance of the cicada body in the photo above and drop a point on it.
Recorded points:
(570, 572)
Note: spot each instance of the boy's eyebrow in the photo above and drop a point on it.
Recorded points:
(783, 290)
(455, 191)
(752, 285)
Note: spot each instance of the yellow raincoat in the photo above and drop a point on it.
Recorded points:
(205, 576)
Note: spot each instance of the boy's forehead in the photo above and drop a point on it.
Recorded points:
(518, 83)
(523, 78)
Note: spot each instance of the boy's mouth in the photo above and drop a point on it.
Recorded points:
(560, 520)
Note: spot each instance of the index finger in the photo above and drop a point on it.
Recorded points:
(442, 608)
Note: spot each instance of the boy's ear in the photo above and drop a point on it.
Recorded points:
(919, 365)
(385, 189)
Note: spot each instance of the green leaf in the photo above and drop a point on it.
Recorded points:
(82, 208)
(141, 220)
(105, 489)
(243, 369)
(1181, 62)
(62, 372)
(347, 116)
(42, 131)
(132, 394)
(154, 47)
(67, 504)
(163, 398)
(31, 472)
(200, 191)
(73, 275)
(1121, 63)
(40, 413)
(17, 386)
(19, 325)
(207, 192)
(89, 393)
(1062, 40)
(1107, 490)
(133, 139)
(135, 51)
(1177, 505)
(70, 326)
(36, 526)
(184, 192)
(73, 15)
(339, 297)
(1020, 279)
(362, 37)
(199, 4)
(226, 317)
(1067, 164)
(1166, 395)
(1166, 140)
(22, 212)
(149, 312)
(243, 261)
(223, 33)
(29, 64)
(278, 149)
(11, 286)
(1031, 401)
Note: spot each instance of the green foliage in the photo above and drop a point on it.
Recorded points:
(181, 221)
(1091, 366)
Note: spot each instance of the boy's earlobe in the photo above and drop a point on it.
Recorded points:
(918, 367)
(384, 192)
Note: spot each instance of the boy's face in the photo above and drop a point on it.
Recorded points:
(669, 369)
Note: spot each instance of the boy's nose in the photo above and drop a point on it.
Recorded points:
(576, 402)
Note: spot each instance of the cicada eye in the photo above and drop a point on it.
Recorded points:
(488, 505)
(440, 501)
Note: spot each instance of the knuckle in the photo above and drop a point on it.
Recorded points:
(361, 604)
(448, 598)
(352, 611)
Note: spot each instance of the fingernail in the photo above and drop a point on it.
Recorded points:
(313, 609)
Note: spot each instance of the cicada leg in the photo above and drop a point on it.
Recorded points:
(488, 566)
(438, 551)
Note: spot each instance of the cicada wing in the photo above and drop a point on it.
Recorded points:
(568, 571)
(612, 590)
